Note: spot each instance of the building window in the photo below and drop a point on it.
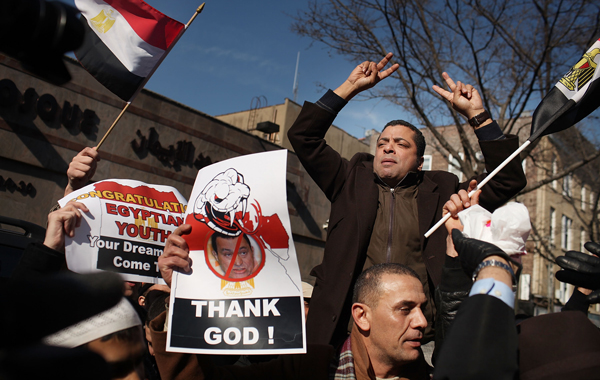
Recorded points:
(562, 293)
(554, 171)
(524, 287)
(566, 233)
(454, 166)
(552, 227)
(427, 160)
(583, 196)
(582, 239)
(567, 189)
(524, 165)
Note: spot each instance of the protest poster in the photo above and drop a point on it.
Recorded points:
(243, 295)
(125, 229)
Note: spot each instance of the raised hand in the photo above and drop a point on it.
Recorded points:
(82, 169)
(457, 203)
(61, 223)
(365, 76)
(461, 201)
(176, 255)
(464, 98)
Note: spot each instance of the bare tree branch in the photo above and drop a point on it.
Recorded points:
(500, 46)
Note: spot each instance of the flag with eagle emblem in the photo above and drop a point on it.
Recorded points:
(125, 41)
(574, 97)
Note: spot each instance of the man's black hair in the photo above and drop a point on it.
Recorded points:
(418, 137)
(214, 236)
(367, 288)
(158, 305)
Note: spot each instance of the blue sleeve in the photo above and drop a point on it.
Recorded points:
(494, 288)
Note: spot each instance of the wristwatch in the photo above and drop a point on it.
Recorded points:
(495, 263)
(477, 120)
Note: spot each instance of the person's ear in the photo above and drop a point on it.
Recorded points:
(421, 161)
(142, 301)
(361, 313)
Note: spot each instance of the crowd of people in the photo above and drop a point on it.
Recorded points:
(387, 302)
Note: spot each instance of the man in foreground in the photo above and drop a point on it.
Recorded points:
(388, 325)
(385, 341)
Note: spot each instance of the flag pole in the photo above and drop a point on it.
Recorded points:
(481, 184)
(198, 11)
(569, 103)
(113, 125)
(531, 138)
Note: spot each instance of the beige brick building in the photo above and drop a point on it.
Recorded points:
(562, 212)
(564, 216)
(284, 115)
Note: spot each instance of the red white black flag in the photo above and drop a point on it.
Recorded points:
(574, 97)
(125, 41)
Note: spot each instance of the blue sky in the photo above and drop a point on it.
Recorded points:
(237, 50)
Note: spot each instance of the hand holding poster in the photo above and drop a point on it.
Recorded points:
(125, 229)
(243, 295)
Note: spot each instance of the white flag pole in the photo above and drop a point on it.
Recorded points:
(481, 184)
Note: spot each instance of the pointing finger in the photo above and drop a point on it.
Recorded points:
(386, 73)
(385, 61)
(442, 92)
(449, 81)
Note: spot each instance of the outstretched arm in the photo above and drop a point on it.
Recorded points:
(455, 284)
(365, 76)
(495, 146)
(465, 99)
(307, 136)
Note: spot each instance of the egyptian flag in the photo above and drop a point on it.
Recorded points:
(125, 41)
(574, 97)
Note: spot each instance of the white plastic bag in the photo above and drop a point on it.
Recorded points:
(508, 227)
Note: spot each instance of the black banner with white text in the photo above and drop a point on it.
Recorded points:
(241, 324)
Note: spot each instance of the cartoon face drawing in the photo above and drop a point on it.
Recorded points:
(223, 201)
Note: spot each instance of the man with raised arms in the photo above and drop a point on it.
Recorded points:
(382, 205)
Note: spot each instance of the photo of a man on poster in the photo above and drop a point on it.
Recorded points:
(242, 294)
(234, 257)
